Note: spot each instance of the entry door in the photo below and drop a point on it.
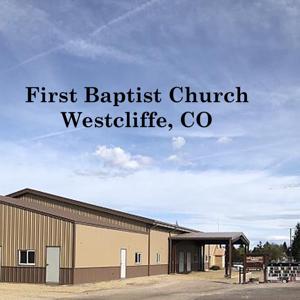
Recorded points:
(123, 262)
(0, 262)
(201, 258)
(52, 268)
(188, 261)
(181, 262)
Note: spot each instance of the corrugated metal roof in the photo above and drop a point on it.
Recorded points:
(213, 236)
(96, 209)
(39, 209)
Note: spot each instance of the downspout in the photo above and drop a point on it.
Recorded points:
(73, 253)
(170, 254)
(149, 247)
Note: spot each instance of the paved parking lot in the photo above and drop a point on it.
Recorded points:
(287, 292)
(193, 290)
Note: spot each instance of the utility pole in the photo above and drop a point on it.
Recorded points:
(290, 248)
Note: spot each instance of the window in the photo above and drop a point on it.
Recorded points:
(26, 257)
(157, 258)
(138, 258)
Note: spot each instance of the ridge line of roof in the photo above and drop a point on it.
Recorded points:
(6, 200)
(94, 207)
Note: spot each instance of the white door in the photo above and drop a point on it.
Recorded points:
(188, 262)
(52, 267)
(181, 262)
(0, 262)
(123, 257)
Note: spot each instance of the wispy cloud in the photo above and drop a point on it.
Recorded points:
(178, 142)
(85, 46)
(224, 140)
(179, 160)
(247, 159)
(271, 217)
(125, 16)
(90, 49)
(243, 150)
(215, 192)
(51, 134)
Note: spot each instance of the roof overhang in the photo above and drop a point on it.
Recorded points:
(213, 237)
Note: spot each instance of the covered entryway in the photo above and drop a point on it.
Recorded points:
(194, 244)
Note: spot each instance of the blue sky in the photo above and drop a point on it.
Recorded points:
(240, 174)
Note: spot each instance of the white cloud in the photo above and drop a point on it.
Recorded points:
(224, 140)
(117, 158)
(180, 160)
(42, 30)
(173, 157)
(278, 237)
(178, 142)
(197, 199)
(85, 48)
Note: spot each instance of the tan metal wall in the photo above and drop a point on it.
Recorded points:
(159, 243)
(21, 229)
(210, 258)
(100, 247)
(103, 218)
(218, 261)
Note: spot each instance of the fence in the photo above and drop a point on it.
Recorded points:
(283, 272)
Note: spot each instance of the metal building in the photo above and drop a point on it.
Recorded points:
(45, 238)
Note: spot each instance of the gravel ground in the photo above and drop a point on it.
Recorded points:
(198, 290)
(208, 285)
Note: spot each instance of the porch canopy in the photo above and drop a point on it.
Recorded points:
(209, 238)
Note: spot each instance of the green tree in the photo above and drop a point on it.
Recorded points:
(274, 252)
(258, 249)
(238, 254)
(285, 248)
(296, 244)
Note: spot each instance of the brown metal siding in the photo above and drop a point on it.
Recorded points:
(158, 269)
(101, 218)
(84, 275)
(33, 275)
(136, 271)
(66, 276)
(21, 229)
(23, 274)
